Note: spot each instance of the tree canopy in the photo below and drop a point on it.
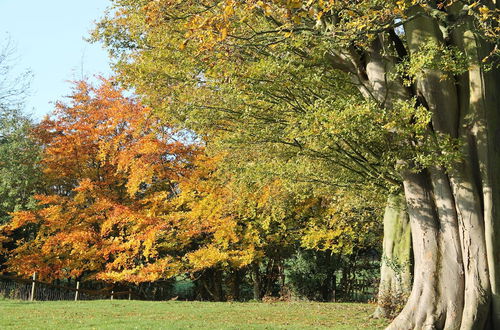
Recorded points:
(394, 94)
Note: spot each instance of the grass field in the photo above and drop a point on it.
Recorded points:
(106, 314)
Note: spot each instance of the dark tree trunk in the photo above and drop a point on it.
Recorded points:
(236, 276)
(217, 292)
(257, 282)
(209, 285)
(327, 287)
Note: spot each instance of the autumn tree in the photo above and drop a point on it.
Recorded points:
(240, 227)
(426, 112)
(244, 225)
(110, 168)
(216, 239)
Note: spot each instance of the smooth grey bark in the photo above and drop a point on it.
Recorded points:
(395, 272)
(436, 300)
(480, 89)
(448, 208)
(454, 211)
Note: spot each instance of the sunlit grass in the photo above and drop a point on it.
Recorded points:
(106, 314)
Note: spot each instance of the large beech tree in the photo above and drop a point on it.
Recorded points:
(427, 109)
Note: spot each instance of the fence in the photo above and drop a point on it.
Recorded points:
(23, 289)
(358, 290)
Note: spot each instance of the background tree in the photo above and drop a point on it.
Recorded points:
(110, 169)
(20, 176)
(19, 173)
(239, 226)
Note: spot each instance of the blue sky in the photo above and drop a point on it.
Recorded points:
(49, 40)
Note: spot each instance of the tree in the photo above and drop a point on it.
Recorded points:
(214, 235)
(111, 169)
(19, 172)
(241, 224)
(20, 176)
(395, 273)
(430, 67)
(13, 87)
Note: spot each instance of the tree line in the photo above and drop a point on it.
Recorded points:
(119, 195)
(311, 120)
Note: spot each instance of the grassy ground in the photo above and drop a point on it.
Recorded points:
(106, 314)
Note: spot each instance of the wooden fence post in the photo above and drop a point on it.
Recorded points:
(112, 293)
(130, 295)
(32, 297)
(334, 298)
(76, 292)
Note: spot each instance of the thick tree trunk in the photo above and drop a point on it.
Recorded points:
(441, 278)
(454, 212)
(395, 272)
(203, 287)
(209, 285)
(480, 105)
(329, 285)
(327, 288)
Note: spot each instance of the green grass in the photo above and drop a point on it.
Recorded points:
(106, 314)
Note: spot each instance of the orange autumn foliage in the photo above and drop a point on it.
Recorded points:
(127, 201)
(111, 168)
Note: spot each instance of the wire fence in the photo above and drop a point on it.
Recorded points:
(23, 289)
(11, 287)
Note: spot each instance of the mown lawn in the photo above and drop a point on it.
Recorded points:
(106, 314)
